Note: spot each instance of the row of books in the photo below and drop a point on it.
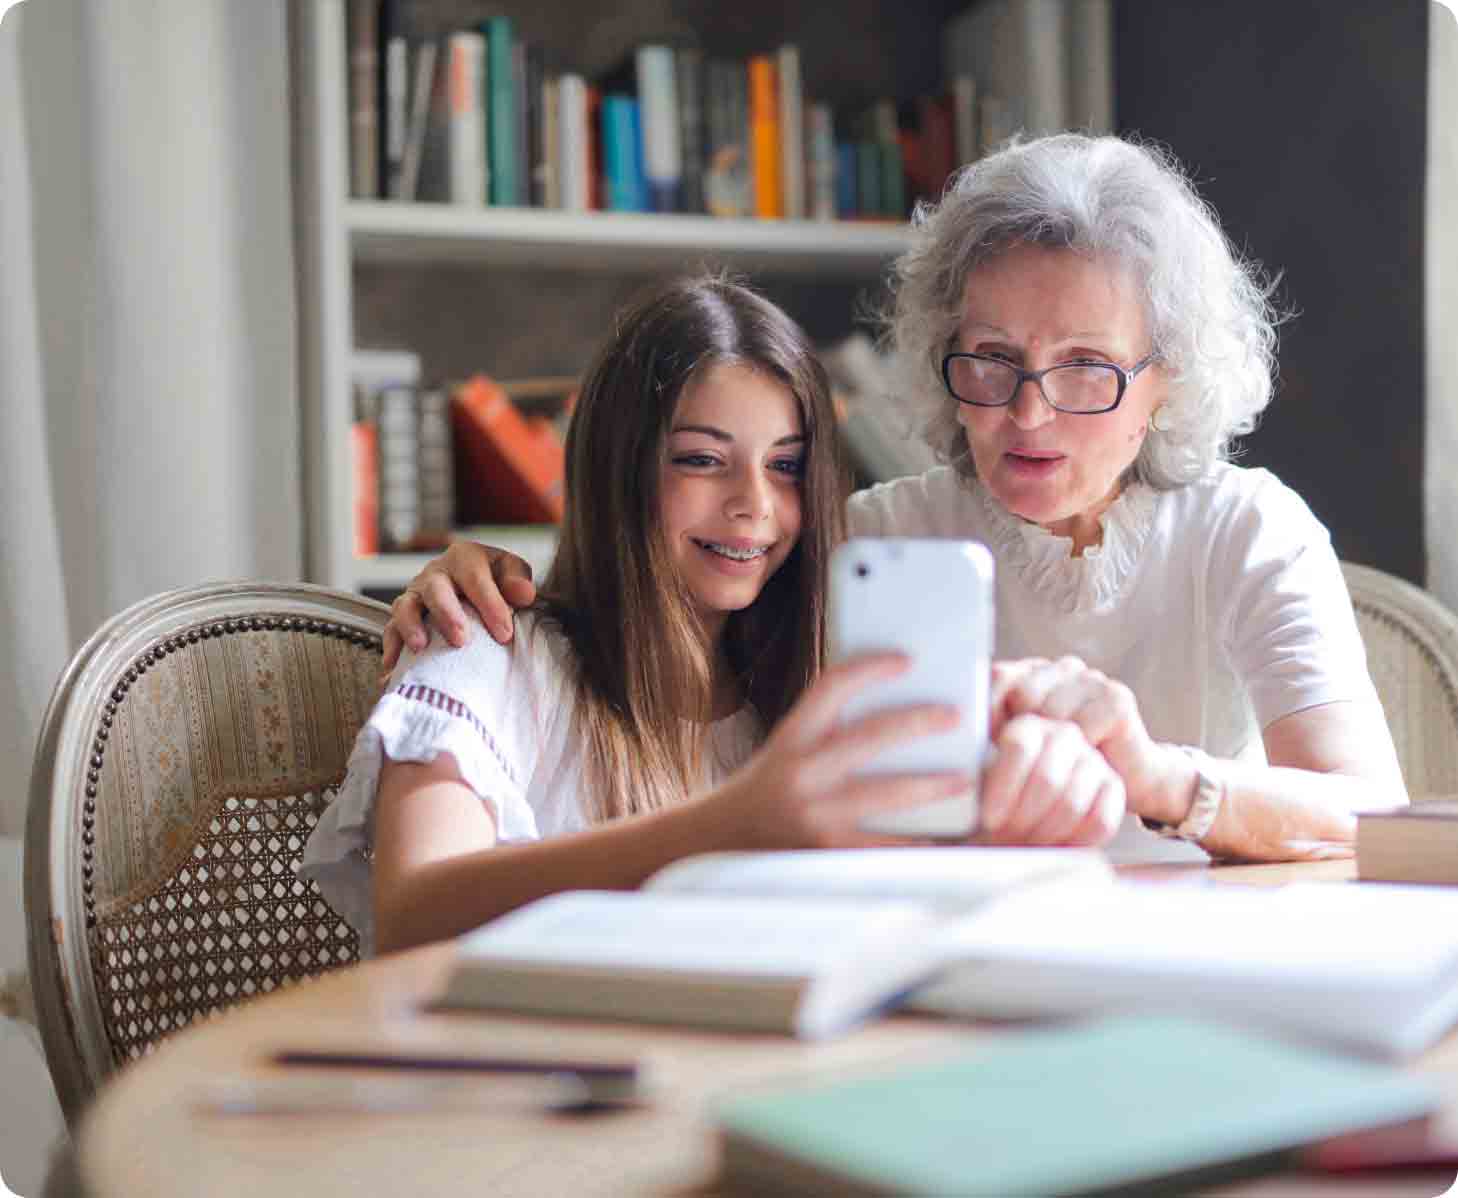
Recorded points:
(427, 459)
(430, 459)
(478, 117)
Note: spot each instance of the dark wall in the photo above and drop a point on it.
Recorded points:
(1304, 124)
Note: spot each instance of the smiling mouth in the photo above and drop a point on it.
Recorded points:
(733, 554)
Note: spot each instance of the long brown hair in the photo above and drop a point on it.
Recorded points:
(643, 676)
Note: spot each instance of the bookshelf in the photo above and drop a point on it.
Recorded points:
(336, 237)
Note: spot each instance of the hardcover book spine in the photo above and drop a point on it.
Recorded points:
(965, 123)
(689, 63)
(399, 467)
(468, 168)
(507, 469)
(659, 123)
(620, 153)
(394, 97)
(364, 448)
(502, 109)
(820, 135)
(364, 127)
(764, 136)
(536, 124)
(847, 177)
(573, 161)
(868, 179)
(726, 173)
(521, 108)
(938, 144)
(792, 132)
(435, 154)
(422, 85)
(437, 482)
(551, 141)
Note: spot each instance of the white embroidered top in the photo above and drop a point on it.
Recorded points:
(506, 713)
(1221, 604)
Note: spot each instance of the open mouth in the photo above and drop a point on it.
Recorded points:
(731, 552)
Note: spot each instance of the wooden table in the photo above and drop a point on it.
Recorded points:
(146, 1134)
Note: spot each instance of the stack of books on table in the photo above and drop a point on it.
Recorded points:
(1284, 1008)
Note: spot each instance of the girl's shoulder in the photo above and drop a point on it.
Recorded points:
(533, 665)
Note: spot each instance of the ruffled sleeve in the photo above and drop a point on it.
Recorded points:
(490, 706)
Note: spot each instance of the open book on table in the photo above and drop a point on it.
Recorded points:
(802, 942)
(1367, 967)
(810, 943)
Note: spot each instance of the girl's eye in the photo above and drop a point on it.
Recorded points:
(695, 460)
(794, 467)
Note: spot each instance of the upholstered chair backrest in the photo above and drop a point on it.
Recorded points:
(1412, 654)
(188, 750)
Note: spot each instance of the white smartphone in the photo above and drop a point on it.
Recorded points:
(932, 600)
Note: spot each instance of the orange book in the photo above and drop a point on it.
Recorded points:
(509, 468)
(764, 137)
(364, 447)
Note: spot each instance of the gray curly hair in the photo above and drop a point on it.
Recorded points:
(1209, 309)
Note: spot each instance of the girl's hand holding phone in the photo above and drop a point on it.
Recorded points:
(806, 788)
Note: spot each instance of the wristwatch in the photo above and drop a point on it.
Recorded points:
(1209, 794)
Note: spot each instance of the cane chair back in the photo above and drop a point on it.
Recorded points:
(1412, 655)
(188, 749)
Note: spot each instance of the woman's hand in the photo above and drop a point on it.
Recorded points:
(802, 790)
(1106, 712)
(1046, 785)
(491, 580)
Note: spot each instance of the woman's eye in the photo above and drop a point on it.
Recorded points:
(695, 460)
(794, 467)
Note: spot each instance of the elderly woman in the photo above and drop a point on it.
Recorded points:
(1092, 346)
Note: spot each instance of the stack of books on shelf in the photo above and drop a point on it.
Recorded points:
(427, 459)
(480, 117)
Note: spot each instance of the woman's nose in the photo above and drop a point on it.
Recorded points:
(1029, 409)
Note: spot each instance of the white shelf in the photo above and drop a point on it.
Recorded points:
(622, 241)
(534, 543)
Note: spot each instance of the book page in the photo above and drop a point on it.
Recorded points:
(1384, 937)
(946, 878)
(746, 935)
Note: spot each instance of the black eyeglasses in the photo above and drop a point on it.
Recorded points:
(1082, 388)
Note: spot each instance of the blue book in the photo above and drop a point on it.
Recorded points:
(622, 154)
(1158, 1104)
(845, 180)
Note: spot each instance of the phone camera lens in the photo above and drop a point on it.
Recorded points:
(862, 570)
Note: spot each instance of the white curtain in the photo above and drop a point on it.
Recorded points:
(149, 433)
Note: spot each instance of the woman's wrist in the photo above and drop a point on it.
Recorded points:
(1172, 789)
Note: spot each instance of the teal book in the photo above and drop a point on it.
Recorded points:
(501, 106)
(1133, 1105)
(627, 190)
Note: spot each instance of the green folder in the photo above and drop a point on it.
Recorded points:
(1142, 1105)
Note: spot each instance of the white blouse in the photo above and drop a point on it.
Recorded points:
(1221, 604)
(506, 713)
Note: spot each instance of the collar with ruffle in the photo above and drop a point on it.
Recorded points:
(1044, 563)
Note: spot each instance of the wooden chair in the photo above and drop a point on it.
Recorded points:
(187, 751)
(1412, 653)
